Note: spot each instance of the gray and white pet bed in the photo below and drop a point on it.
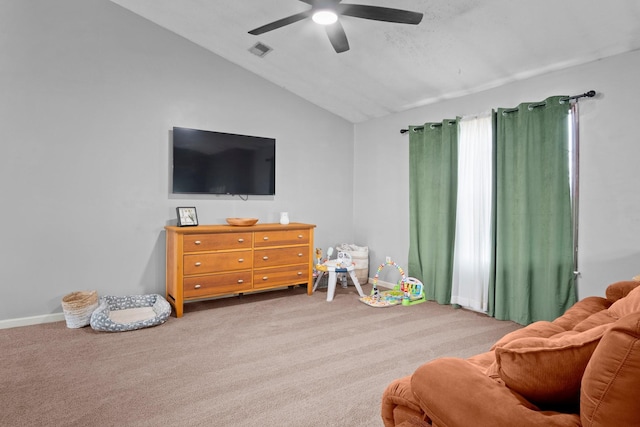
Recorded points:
(118, 314)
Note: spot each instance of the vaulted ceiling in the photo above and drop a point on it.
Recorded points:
(460, 47)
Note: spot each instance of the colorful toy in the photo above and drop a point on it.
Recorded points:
(321, 265)
(408, 290)
(413, 292)
(385, 298)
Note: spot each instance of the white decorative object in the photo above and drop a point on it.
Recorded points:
(284, 218)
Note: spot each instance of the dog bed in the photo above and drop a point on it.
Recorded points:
(118, 314)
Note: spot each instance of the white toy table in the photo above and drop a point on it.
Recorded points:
(333, 267)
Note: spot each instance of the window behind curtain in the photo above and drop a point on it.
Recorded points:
(473, 242)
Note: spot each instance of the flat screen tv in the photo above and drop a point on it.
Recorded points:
(207, 162)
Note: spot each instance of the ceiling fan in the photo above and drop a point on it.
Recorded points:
(326, 12)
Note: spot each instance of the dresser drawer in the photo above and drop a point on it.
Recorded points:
(217, 262)
(217, 284)
(280, 256)
(290, 275)
(281, 238)
(219, 241)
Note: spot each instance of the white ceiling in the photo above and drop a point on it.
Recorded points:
(460, 47)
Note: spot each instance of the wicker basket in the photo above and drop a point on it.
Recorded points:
(78, 306)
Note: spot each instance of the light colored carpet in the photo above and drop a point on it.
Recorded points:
(278, 358)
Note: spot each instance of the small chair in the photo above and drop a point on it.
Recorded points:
(342, 265)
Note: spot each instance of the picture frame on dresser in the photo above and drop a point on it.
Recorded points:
(187, 216)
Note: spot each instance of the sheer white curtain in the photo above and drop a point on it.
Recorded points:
(472, 253)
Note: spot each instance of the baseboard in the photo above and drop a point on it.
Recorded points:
(33, 320)
(57, 317)
(382, 284)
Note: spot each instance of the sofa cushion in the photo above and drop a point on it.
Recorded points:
(483, 360)
(612, 379)
(414, 422)
(548, 370)
(600, 318)
(627, 305)
(540, 329)
(454, 393)
(618, 290)
(580, 311)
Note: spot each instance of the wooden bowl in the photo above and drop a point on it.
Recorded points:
(242, 222)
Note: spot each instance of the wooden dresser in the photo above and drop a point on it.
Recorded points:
(215, 260)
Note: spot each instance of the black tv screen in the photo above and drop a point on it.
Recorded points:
(207, 162)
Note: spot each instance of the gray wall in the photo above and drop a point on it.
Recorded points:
(89, 94)
(609, 247)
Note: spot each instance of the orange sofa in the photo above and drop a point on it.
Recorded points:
(582, 369)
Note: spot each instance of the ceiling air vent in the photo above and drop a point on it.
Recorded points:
(260, 49)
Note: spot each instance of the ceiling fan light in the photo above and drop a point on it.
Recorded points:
(325, 17)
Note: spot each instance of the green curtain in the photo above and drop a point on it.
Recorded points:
(433, 167)
(534, 277)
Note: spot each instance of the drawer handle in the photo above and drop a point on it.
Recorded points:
(300, 254)
(265, 258)
(198, 264)
(265, 238)
(197, 242)
(240, 240)
(240, 281)
(265, 278)
(300, 236)
(197, 286)
(299, 273)
(240, 259)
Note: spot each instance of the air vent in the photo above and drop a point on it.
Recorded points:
(260, 49)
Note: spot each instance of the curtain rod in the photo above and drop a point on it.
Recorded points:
(589, 94)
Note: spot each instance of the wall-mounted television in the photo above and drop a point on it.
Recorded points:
(208, 162)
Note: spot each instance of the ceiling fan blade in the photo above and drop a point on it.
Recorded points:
(280, 23)
(338, 37)
(378, 13)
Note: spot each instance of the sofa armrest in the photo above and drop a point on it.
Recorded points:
(618, 290)
(454, 393)
(399, 404)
